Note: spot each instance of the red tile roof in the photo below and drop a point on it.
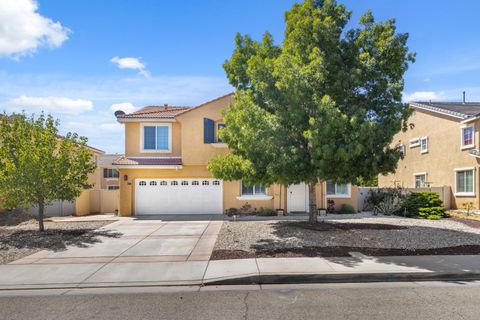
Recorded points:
(165, 112)
(162, 112)
(153, 161)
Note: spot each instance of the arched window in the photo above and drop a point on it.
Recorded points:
(142, 183)
(174, 183)
(184, 183)
(153, 183)
(205, 183)
(216, 183)
(195, 183)
(163, 183)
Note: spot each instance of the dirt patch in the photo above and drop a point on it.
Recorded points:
(343, 252)
(24, 239)
(330, 226)
(468, 222)
(14, 217)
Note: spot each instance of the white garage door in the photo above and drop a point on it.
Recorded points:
(178, 196)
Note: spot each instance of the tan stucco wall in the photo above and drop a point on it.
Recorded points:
(88, 202)
(132, 141)
(231, 189)
(443, 156)
(188, 142)
(194, 151)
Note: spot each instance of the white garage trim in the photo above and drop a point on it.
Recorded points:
(178, 196)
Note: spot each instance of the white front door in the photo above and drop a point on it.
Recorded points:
(297, 198)
(178, 196)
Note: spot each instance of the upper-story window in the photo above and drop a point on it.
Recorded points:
(338, 190)
(424, 145)
(414, 142)
(156, 138)
(110, 173)
(468, 137)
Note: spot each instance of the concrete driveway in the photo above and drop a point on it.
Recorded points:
(133, 240)
(130, 250)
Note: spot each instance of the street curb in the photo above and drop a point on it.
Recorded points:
(272, 279)
(346, 278)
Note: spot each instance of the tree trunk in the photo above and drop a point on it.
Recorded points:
(41, 209)
(312, 201)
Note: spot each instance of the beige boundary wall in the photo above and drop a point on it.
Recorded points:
(97, 201)
(445, 194)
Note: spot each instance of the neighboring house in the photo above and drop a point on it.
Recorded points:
(164, 170)
(89, 201)
(441, 150)
(109, 172)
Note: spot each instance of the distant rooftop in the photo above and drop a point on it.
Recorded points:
(456, 109)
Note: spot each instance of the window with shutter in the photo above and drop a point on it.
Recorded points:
(208, 131)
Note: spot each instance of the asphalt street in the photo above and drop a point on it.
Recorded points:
(425, 300)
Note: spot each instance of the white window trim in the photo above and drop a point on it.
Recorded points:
(415, 144)
(420, 174)
(421, 145)
(467, 146)
(401, 147)
(253, 197)
(465, 194)
(340, 196)
(156, 124)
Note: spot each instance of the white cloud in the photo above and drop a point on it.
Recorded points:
(131, 63)
(423, 96)
(126, 107)
(111, 127)
(59, 105)
(23, 30)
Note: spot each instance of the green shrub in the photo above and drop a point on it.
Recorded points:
(432, 213)
(346, 209)
(266, 212)
(422, 205)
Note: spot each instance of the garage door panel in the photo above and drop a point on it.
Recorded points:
(171, 196)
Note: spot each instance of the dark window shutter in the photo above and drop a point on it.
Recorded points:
(105, 172)
(208, 130)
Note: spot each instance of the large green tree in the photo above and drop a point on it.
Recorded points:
(323, 105)
(37, 166)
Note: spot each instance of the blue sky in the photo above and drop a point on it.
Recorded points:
(69, 56)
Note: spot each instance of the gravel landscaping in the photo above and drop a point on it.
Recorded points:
(376, 236)
(19, 236)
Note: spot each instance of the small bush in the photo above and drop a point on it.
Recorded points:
(432, 213)
(346, 209)
(266, 212)
(421, 200)
(386, 200)
(231, 212)
(246, 209)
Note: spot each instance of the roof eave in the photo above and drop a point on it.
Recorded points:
(123, 120)
(439, 111)
(146, 166)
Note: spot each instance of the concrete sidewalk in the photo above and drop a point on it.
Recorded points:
(242, 271)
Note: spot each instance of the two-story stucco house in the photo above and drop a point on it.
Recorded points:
(164, 169)
(442, 149)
